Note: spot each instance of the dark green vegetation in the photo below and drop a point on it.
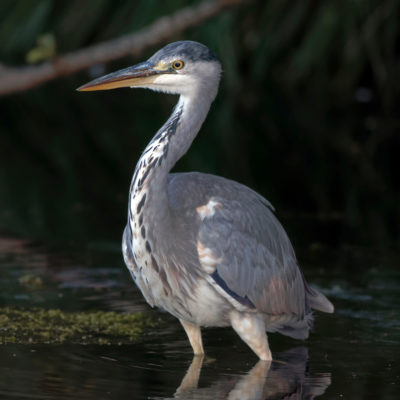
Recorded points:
(307, 115)
(37, 326)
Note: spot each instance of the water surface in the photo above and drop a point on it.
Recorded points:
(352, 354)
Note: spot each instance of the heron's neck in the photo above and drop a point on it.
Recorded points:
(169, 144)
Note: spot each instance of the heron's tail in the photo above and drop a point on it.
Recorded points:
(318, 301)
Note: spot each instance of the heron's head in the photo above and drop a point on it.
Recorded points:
(183, 67)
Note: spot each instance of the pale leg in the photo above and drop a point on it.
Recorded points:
(251, 328)
(251, 385)
(194, 335)
(191, 379)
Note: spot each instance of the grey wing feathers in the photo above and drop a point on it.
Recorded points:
(318, 301)
(256, 259)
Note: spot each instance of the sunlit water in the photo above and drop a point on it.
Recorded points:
(352, 354)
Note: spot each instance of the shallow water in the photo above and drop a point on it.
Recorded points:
(352, 354)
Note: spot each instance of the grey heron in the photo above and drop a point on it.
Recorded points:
(208, 250)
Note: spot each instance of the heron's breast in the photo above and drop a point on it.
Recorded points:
(156, 276)
(143, 248)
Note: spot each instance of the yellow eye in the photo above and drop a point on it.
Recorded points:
(178, 64)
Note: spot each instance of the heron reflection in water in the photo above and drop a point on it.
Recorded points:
(206, 249)
(287, 379)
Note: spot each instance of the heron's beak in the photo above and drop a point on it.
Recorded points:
(139, 75)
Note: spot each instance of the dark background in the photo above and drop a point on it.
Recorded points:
(307, 115)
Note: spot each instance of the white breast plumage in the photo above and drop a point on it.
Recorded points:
(151, 278)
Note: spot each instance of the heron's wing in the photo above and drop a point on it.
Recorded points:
(242, 247)
(247, 253)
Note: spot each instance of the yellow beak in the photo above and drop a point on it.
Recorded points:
(138, 75)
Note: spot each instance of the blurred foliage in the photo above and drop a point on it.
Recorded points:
(307, 115)
(45, 49)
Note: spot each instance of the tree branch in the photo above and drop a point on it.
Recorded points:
(15, 79)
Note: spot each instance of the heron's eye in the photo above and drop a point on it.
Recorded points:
(178, 64)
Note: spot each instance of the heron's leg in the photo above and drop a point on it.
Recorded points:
(251, 328)
(191, 379)
(194, 335)
(251, 385)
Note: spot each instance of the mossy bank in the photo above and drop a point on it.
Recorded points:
(38, 325)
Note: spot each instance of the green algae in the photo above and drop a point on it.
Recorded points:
(35, 326)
